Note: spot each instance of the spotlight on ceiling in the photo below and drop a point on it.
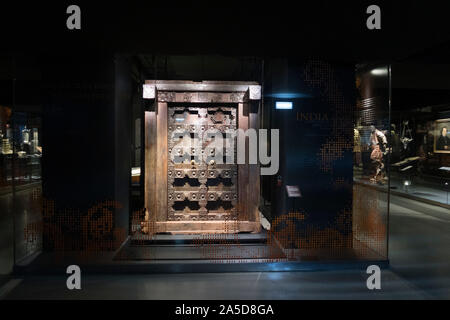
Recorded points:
(379, 72)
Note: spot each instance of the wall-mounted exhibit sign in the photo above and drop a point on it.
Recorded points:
(293, 192)
(283, 105)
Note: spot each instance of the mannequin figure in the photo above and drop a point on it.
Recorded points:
(378, 143)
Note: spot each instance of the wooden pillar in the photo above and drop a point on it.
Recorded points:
(150, 164)
(161, 162)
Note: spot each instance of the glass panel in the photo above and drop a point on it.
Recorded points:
(371, 153)
(24, 148)
(6, 196)
(27, 183)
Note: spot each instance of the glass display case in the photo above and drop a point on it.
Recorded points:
(408, 153)
(20, 182)
(421, 153)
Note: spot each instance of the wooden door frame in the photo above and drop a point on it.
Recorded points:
(157, 95)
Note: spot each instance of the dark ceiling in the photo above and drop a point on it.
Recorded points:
(329, 30)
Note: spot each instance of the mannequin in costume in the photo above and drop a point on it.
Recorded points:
(378, 143)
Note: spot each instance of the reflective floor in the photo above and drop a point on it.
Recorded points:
(6, 234)
(27, 208)
(433, 193)
(419, 245)
(418, 251)
(264, 285)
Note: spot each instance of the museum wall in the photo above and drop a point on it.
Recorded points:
(6, 74)
(122, 137)
(316, 141)
(79, 160)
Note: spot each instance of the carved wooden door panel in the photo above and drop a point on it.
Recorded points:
(200, 188)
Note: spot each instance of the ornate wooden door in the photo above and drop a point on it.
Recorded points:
(202, 179)
(187, 190)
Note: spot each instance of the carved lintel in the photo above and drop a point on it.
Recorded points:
(200, 97)
(205, 86)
